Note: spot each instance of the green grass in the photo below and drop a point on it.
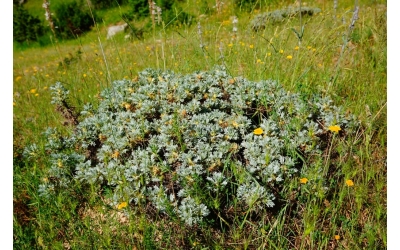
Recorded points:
(79, 217)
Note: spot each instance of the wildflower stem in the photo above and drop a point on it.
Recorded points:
(105, 62)
(163, 56)
(270, 43)
(101, 45)
(329, 154)
(46, 6)
(58, 50)
(301, 25)
(335, 2)
(200, 32)
(156, 50)
(151, 13)
(346, 39)
(379, 111)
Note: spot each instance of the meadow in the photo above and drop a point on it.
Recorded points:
(330, 58)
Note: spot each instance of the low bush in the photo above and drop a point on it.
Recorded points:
(26, 27)
(72, 19)
(192, 146)
(104, 4)
(260, 21)
(169, 11)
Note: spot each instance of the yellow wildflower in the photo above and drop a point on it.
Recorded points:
(225, 22)
(259, 61)
(251, 46)
(115, 154)
(335, 128)
(127, 105)
(230, 45)
(289, 57)
(18, 78)
(189, 179)
(296, 48)
(45, 87)
(258, 131)
(309, 47)
(235, 124)
(268, 53)
(349, 183)
(122, 205)
(84, 75)
(337, 237)
(303, 180)
(32, 91)
(36, 94)
(281, 51)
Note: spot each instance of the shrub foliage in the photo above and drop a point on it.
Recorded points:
(72, 19)
(26, 27)
(192, 146)
(260, 21)
(171, 12)
(104, 4)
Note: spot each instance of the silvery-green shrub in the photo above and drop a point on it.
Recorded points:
(185, 143)
(260, 21)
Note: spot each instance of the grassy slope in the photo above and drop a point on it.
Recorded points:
(357, 214)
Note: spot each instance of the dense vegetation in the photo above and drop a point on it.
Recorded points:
(204, 133)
